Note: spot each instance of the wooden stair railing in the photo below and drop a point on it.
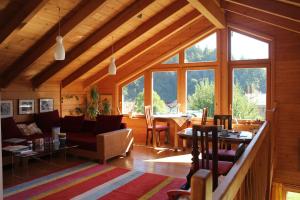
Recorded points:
(248, 178)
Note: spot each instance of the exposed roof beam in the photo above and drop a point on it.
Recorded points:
(149, 24)
(145, 46)
(263, 17)
(272, 7)
(295, 3)
(211, 11)
(135, 70)
(9, 25)
(79, 13)
(134, 9)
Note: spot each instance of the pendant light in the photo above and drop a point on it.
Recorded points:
(59, 52)
(112, 69)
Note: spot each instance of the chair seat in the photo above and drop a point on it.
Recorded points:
(223, 166)
(159, 127)
(224, 155)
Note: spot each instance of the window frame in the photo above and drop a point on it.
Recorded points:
(120, 89)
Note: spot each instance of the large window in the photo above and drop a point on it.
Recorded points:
(249, 93)
(200, 91)
(246, 48)
(164, 95)
(203, 51)
(172, 60)
(133, 97)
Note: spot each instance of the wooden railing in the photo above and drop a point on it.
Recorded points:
(249, 178)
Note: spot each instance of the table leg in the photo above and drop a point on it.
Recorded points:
(184, 143)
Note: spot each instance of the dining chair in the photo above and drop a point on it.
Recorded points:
(159, 128)
(221, 120)
(217, 167)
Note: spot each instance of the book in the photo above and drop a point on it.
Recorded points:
(14, 140)
(15, 148)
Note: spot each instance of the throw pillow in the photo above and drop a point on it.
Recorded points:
(24, 129)
(72, 123)
(9, 128)
(47, 120)
(34, 129)
(107, 123)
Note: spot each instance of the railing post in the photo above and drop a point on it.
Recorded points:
(201, 185)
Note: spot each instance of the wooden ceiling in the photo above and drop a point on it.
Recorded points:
(91, 29)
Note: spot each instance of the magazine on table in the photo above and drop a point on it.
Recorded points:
(14, 140)
(15, 148)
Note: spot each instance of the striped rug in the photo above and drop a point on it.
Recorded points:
(94, 181)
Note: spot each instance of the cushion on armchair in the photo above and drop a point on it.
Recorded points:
(72, 123)
(47, 120)
(107, 123)
(9, 128)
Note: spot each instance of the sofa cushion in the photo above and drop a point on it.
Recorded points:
(47, 120)
(107, 123)
(86, 141)
(88, 126)
(9, 128)
(72, 123)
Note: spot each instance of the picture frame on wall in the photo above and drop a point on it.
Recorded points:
(46, 105)
(7, 109)
(106, 104)
(26, 106)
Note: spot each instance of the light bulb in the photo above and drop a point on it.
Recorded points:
(112, 69)
(59, 53)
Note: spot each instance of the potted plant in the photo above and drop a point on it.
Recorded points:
(93, 108)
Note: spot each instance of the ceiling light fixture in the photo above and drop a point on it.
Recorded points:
(112, 69)
(59, 52)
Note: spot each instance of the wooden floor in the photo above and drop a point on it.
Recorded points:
(143, 158)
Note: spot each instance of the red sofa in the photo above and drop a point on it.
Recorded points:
(102, 139)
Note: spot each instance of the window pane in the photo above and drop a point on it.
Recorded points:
(172, 60)
(200, 91)
(164, 95)
(292, 196)
(249, 93)
(133, 97)
(203, 51)
(247, 48)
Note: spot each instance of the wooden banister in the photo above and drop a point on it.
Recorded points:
(249, 177)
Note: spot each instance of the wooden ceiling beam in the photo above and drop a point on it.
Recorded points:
(276, 8)
(145, 46)
(263, 17)
(10, 24)
(149, 24)
(110, 26)
(211, 11)
(74, 17)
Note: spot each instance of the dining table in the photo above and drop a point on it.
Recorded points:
(179, 120)
(226, 136)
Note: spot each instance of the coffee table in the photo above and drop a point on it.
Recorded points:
(38, 153)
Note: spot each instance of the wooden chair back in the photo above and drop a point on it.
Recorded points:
(204, 116)
(148, 114)
(205, 138)
(221, 120)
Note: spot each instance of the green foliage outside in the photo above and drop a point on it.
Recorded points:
(159, 104)
(202, 97)
(172, 60)
(194, 54)
(243, 108)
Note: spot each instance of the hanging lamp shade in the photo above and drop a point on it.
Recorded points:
(112, 69)
(59, 53)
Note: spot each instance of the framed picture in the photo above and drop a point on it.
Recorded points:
(46, 105)
(26, 106)
(7, 109)
(105, 104)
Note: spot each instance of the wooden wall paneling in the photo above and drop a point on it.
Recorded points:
(134, 53)
(91, 40)
(211, 10)
(68, 22)
(18, 19)
(264, 17)
(148, 25)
